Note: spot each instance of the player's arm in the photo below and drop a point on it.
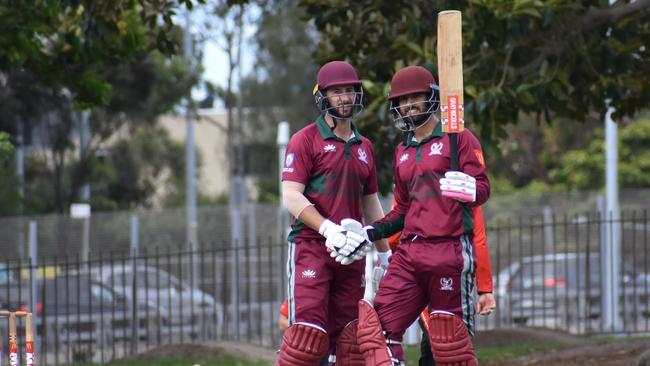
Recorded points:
(393, 222)
(372, 212)
(469, 184)
(299, 206)
(471, 162)
(486, 302)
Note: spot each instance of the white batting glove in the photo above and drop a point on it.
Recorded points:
(384, 257)
(356, 227)
(459, 186)
(377, 274)
(340, 242)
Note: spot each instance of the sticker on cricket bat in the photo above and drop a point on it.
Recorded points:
(450, 71)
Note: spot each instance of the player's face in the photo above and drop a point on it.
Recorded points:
(341, 98)
(412, 104)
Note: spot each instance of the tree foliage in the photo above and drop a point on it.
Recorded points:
(546, 59)
(68, 44)
(116, 57)
(585, 168)
(279, 86)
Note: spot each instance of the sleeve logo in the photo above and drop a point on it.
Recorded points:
(288, 162)
(479, 156)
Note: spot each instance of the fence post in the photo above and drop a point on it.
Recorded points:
(33, 252)
(548, 229)
(135, 250)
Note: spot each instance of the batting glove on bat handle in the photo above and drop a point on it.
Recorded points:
(459, 186)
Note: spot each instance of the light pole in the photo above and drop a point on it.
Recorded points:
(192, 225)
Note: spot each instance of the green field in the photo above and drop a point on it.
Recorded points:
(495, 349)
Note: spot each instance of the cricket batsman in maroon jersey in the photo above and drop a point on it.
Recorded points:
(329, 176)
(434, 263)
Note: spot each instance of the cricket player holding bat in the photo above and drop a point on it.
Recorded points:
(439, 176)
(435, 263)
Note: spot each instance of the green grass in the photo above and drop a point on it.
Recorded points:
(221, 361)
(492, 355)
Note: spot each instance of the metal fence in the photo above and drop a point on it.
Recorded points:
(117, 304)
(547, 272)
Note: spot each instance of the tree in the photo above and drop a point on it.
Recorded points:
(585, 168)
(228, 33)
(59, 57)
(279, 87)
(141, 92)
(8, 187)
(68, 44)
(549, 60)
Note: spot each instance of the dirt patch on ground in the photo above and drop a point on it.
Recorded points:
(571, 350)
(505, 337)
(613, 354)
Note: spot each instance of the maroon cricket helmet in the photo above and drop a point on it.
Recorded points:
(413, 80)
(337, 73)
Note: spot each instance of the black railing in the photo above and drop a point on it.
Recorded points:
(547, 272)
(117, 304)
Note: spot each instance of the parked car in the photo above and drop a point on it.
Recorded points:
(562, 288)
(185, 309)
(77, 313)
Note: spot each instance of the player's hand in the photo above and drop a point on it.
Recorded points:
(459, 186)
(356, 227)
(485, 304)
(341, 243)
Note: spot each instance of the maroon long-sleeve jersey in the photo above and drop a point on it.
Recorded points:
(336, 174)
(420, 208)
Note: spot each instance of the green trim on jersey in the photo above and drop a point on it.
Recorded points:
(327, 134)
(418, 154)
(389, 228)
(317, 184)
(297, 227)
(468, 220)
(409, 141)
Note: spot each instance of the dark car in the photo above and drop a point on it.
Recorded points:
(560, 290)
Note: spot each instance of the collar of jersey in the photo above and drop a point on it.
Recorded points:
(409, 141)
(327, 133)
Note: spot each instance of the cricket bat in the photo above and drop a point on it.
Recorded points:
(450, 71)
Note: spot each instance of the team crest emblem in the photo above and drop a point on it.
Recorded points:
(362, 155)
(446, 284)
(436, 149)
